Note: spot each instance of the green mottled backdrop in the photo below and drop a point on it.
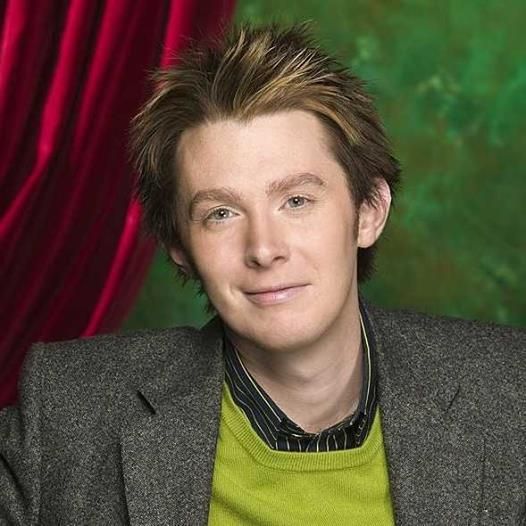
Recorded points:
(450, 82)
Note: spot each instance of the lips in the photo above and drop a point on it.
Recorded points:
(275, 295)
(273, 288)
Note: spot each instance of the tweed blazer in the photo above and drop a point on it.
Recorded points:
(122, 429)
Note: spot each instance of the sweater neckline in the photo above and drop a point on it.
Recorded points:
(237, 422)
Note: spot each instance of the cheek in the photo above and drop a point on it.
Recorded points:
(332, 238)
(214, 261)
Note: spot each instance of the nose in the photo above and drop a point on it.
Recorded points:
(265, 243)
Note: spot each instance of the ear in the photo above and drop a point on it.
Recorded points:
(373, 216)
(178, 256)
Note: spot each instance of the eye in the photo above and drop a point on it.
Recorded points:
(297, 201)
(219, 214)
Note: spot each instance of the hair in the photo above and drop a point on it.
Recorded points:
(255, 71)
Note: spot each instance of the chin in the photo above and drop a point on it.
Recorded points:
(280, 334)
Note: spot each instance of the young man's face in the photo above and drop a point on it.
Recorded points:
(264, 206)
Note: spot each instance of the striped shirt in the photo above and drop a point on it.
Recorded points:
(282, 434)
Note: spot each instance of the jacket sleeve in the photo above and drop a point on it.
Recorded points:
(20, 451)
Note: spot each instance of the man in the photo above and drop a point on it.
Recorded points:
(265, 173)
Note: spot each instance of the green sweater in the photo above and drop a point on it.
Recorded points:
(255, 485)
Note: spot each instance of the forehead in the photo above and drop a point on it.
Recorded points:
(245, 153)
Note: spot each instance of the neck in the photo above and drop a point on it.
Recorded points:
(316, 387)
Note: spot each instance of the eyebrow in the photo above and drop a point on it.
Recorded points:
(230, 195)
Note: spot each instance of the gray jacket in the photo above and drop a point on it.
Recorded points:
(122, 429)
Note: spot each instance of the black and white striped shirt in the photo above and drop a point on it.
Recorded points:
(278, 431)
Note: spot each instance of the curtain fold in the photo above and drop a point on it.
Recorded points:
(72, 74)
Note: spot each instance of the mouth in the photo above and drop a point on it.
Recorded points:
(275, 295)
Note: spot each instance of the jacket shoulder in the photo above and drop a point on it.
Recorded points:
(483, 340)
(487, 357)
(100, 376)
(113, 356)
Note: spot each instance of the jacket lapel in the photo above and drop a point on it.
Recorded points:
(167, 452)
(434, 449)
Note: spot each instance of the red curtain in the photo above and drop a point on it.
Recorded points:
(72, 74)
